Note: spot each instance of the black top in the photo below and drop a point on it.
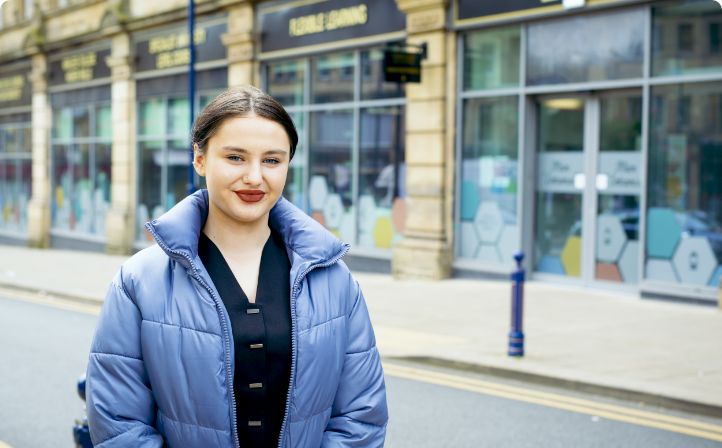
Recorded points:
(261, 339)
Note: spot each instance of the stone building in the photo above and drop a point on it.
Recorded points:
(586, 133)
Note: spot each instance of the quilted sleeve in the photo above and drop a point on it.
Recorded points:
(359, 414)
(120, 404)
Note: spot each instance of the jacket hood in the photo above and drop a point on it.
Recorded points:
(177, 231)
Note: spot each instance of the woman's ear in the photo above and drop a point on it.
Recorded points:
(199, 160)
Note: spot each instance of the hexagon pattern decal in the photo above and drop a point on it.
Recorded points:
(660, 270)
(488, 252)
(333, 211)
(469, 200)
(469, 243)
(572, 256)
(663, 233)
(367, 213)
(488, 222)
(610, 238)
(716, 278)
(318, 190)
(383, 232)
(694, 260)
(628, 262)
(507, 244)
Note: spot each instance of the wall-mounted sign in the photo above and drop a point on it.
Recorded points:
(15, 88)
(79, 66)
(328, 21)
(403, 64)
(561, 172)
(169, 47)
(469, 9)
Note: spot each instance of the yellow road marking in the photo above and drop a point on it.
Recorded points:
(55, 302)
(557, 401)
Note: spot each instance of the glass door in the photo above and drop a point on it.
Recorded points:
(588, 186)
(560, 186)
(618, 184)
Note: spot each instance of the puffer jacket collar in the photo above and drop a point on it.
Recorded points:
(307, 241)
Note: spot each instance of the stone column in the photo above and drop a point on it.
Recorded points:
(120, 222)
(242, 69)
(425, 251)
(39, 206)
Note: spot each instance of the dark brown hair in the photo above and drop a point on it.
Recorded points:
(241, 102)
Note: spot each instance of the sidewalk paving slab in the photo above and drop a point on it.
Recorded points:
(609, 342)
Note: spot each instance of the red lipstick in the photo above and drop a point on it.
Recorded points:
(250, 195)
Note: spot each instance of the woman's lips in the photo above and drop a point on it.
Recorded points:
(250, 195)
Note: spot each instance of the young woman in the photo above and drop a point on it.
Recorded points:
(241, 327)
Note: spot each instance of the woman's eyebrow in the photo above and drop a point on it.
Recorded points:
(245, 151)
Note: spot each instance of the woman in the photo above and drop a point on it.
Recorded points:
(242, 326)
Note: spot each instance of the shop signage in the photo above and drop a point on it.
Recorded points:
(170, 48)
(469, 9)
(14, 88)
(328, 21)
(560, 172)
(403, 64)
(621, 172)
(79, 67)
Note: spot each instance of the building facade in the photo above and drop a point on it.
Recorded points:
(586, 133)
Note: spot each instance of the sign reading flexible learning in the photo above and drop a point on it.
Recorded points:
(328, 21)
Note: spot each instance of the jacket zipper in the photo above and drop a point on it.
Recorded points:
(294, 293)
(226, 339)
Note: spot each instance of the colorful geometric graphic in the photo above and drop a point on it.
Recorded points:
(469, 244)
(660, 270)
(663, 233)
(694, 261)
(610, 238)
(628, 262)
(551, 265)
(488, 222)
(572, 256)
(383, 232)
(609, 272)
(469, 200)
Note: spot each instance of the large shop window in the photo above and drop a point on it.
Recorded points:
(487, 226)
(686, 38)
(348, 171)
(684, 218)
(586, 48)
(81, 160)
(15, 175)
(164, 141)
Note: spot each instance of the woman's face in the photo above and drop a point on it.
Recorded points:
(245, 165)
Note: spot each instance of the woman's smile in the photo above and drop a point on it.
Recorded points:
(250, 195)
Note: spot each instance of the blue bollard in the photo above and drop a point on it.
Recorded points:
(516, 334)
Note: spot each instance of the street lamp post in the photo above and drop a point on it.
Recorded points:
(190, 186)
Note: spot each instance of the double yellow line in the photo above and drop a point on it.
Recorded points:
(557, 401)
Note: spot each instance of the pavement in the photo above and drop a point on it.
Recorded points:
(654, 352)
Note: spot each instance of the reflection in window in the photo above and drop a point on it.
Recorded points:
(332, 78)
(686, 38)
(382, 177)
(294, 190)
(684, 219)
(489, 179)
(373, 85)
(163, 155)
(81, 168)
(330, 190)
(586, 48)
(491, 58)
(15, 176)
(285, 81)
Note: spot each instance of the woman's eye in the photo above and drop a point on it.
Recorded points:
(234, 158)
(273, 161)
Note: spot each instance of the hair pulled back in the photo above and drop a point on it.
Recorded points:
(241, 102)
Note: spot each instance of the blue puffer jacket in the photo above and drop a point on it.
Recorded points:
(161, 363)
